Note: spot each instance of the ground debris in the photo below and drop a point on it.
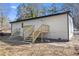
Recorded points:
(40, 49)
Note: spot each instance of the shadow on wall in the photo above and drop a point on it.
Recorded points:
(49, 40)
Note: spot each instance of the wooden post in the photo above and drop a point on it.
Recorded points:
(23, 31)
(33, 38)
(41, 34)
(41, 37)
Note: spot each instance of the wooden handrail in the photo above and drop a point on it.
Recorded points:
(30, 29)
(39, 31)
(27, 28)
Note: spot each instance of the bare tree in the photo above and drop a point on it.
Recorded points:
(74, 11)
(1, 19)
(4, 24)
(29, 10)
(52, 9)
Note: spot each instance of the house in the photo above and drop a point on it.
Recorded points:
(58, 26)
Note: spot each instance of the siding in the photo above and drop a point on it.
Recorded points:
(17, 26)
(58, 27)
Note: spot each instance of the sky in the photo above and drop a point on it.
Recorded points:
(10, 9)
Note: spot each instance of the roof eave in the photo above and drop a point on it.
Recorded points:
(66, 12)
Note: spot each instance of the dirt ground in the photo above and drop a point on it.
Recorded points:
(70, 48)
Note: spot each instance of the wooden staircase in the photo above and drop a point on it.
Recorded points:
(35, 34)
(30, 35)
(27, 30)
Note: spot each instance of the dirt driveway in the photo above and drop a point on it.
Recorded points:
(41, 49)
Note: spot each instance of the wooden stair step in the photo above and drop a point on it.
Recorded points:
(35, 34)
(28, 41)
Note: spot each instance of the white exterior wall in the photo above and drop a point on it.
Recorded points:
(17, 26)
(57, 25)
(71, 29)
